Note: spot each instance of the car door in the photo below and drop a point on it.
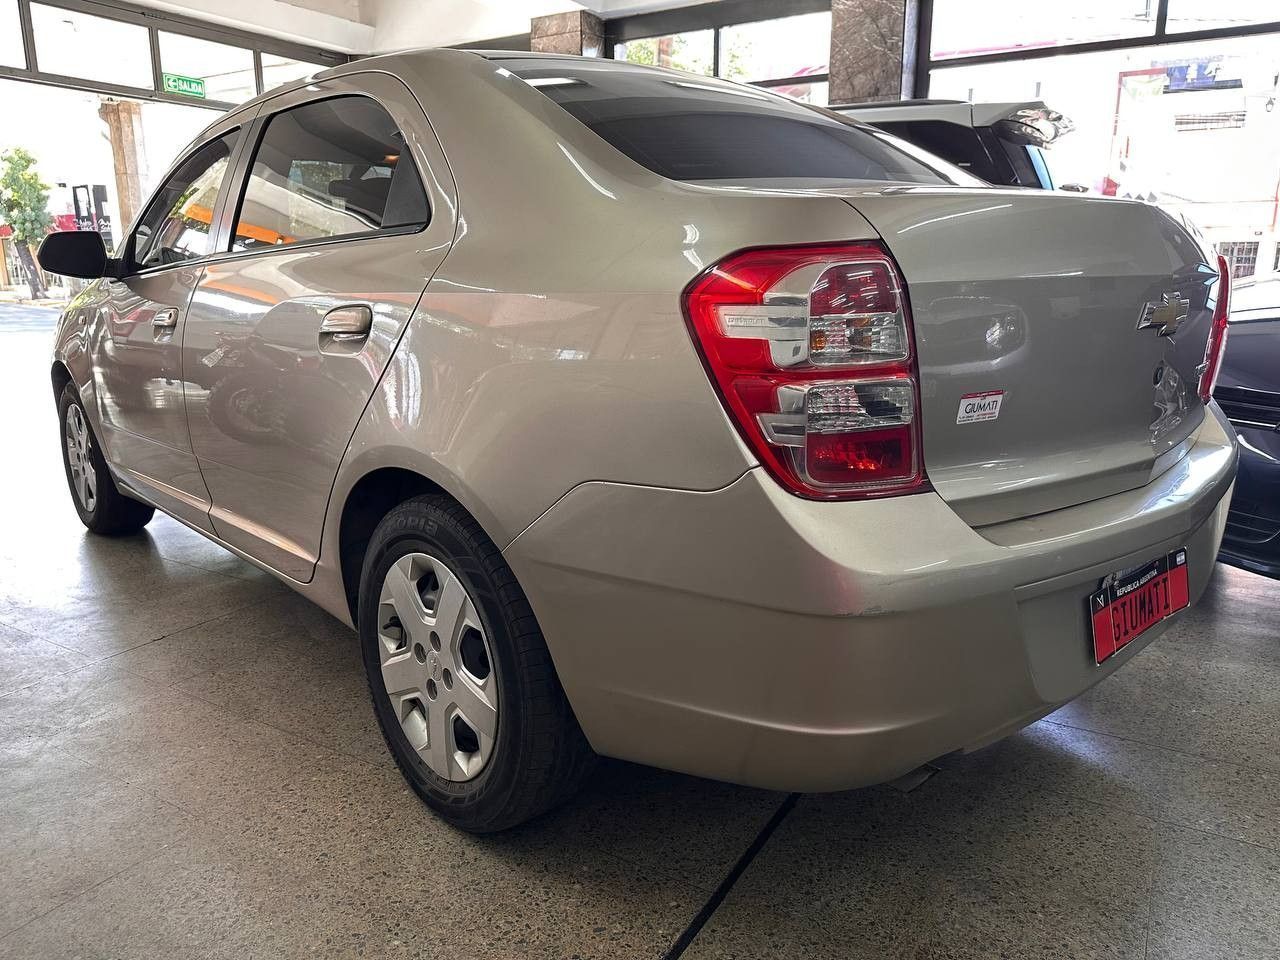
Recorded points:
(136, 335)
(345, 210)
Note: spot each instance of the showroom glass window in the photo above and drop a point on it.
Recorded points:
(334, 168)
(962, 28)
(176, 226)
(11, 52)
(280, 70)
(227, 71)
(787, 54)
(1187, 15)
(74, 44)
(693, 51)
(1193, 126)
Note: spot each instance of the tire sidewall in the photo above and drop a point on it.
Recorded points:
(68, 400)
(437, 535)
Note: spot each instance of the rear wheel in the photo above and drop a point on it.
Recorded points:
(101, 506)
(461, 679)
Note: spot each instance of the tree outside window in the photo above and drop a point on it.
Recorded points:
(24, 207)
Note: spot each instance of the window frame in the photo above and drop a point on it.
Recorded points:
(128, 259)
(242, 172)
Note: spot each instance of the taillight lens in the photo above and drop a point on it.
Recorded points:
(1217, 341)
(811, 350)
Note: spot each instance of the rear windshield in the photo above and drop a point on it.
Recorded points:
(686, 127)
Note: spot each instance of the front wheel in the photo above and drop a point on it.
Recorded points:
(461, 679)
(101, 507)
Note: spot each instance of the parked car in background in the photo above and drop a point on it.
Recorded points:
(1249, 393)
(716, 433)
(1001, 143)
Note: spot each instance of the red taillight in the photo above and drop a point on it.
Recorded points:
(811, 350)
(1217, 341)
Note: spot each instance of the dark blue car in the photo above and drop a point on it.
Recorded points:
(1248, 391)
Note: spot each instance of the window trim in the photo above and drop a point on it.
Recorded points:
(243, 171)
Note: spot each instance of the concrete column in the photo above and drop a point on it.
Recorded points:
(872, 50)
(579, 32)
(124, 127)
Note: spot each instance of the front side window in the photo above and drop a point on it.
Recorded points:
(333, 168)
(176, 226)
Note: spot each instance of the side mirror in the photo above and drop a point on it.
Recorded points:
(74, 253)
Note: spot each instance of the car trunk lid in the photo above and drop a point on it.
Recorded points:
(1049, 375)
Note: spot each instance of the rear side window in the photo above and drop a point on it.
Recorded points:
(693, 128)
(333, 168)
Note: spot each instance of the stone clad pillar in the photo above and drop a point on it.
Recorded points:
(124, 128)
(869, 59)
(579, 32)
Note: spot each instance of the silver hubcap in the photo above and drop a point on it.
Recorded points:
(83, 477)
(437, 666)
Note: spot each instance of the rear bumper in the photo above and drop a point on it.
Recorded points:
(748, 635)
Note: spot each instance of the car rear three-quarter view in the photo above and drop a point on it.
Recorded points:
(680, 423)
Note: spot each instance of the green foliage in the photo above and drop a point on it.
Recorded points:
(24, 197)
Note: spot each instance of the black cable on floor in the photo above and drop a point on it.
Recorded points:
(713, 903)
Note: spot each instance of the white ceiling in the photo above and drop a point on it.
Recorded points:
(379, 26)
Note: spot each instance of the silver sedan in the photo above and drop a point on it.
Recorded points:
(629, 412)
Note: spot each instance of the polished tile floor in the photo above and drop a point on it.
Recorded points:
(189, 769)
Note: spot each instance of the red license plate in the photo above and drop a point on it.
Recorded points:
(1133, 601)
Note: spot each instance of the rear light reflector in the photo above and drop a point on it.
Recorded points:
(811, 351)
(1217, 341)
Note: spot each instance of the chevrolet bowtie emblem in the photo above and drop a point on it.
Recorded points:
(1167, 315)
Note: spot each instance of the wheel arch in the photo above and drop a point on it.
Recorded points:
(60, 375)
(379, 490)
(370, 499)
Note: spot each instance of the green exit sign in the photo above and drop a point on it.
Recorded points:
(186, 86)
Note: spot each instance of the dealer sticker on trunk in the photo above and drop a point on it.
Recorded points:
(976, 407)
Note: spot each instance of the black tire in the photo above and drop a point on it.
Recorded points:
(540, 755)
(112, 513)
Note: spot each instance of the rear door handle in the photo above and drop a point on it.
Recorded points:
(166, 318)
(346, 325)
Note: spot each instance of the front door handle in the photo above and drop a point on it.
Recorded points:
(166, 318)
(346, 325)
